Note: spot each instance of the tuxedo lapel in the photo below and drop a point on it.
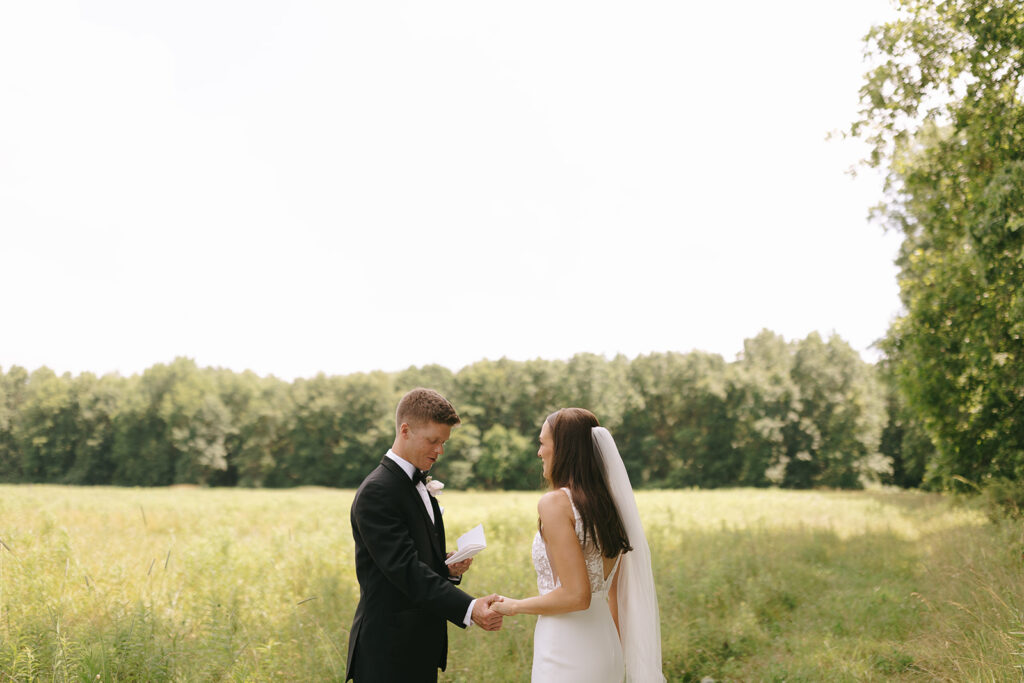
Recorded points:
(440, 526)
(432, 528)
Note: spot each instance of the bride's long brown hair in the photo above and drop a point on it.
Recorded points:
(575, 465)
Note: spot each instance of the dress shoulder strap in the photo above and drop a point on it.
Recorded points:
(568, 494)
(572, 503)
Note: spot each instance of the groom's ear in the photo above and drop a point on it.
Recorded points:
(403, 430)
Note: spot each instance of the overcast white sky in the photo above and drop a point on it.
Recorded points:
(336, 186)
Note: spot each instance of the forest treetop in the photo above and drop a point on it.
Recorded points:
(797, 414)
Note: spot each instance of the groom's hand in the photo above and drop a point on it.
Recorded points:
(459, 568)
(484, 616)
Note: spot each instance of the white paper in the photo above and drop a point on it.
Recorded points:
(470, 543)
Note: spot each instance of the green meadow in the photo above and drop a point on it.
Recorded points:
(188, 584)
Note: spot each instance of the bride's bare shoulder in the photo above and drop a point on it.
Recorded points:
(554, 504)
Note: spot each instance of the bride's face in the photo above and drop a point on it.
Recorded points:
(547, 449)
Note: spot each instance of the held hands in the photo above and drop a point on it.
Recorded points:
(484, 615)
(505, 606)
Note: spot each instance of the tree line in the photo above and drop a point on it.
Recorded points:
(787, 413)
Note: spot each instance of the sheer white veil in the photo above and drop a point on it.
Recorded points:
(639, 623)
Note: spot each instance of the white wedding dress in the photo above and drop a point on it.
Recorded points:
(578, 646)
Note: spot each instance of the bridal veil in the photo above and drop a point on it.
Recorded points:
(639, 622)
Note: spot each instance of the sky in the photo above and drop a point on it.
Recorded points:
(339, 187)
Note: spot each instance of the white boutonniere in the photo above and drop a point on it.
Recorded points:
(433, 487)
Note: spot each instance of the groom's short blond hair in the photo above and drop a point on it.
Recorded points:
(425, 405)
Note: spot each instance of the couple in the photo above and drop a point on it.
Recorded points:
(598, 610)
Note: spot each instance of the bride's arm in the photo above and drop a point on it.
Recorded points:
(559, 529)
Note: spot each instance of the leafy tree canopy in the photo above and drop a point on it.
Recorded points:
(942, 109)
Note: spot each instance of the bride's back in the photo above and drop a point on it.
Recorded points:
(599, 568)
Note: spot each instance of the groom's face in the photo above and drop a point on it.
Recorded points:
(425, 443)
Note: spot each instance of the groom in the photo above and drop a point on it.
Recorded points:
(406, 592)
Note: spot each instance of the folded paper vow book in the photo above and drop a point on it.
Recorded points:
(470, 543)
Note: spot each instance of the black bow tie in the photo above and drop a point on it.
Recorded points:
(419, 477)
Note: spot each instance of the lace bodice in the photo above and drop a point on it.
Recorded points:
(547, 581)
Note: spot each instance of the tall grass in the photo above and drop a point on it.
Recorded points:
(758, 585)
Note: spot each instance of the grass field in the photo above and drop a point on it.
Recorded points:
(754, 585)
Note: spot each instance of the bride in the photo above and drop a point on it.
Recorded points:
(598, 610)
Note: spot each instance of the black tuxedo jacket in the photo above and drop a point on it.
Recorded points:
(399, 632)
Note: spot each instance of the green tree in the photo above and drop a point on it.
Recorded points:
(259, 409)
(501, 392)
(764, 401)
(198, 425)
(904, 440)
(171, 429)
(601, 386)
(942, 110)
(340, 428)
(835, 441)
(463, 450)
(13, 393)
(508, 461)
(98, 402)
(677, 432)
(807, 413)
(47, 434)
